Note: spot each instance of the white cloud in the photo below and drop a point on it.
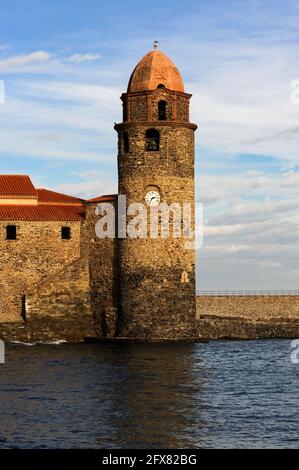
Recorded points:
(77, 92)
(22, 60)
(92, 184)
(76, 123)
(79, 58)
(252, 244)
(225, 190)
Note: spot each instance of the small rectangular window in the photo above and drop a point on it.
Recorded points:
(11, 232)
(65, 233)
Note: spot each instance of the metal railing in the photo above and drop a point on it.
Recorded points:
(245, 293)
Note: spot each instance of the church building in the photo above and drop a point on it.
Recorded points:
(59, 280)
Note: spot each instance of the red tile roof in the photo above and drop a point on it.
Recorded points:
(16, 185)
(46, 212)
(45, 196)
(106, 198)
(48, 205)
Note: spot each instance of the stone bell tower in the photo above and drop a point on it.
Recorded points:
(156, 165)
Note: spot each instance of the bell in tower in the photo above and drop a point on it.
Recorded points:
(157, 298)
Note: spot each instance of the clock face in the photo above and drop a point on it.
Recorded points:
(152, 198)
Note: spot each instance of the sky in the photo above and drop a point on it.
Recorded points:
(65, 64)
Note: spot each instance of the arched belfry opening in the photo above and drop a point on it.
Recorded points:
(162, 110)
(152, 140)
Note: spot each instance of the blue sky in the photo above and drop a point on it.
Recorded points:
(65, 64)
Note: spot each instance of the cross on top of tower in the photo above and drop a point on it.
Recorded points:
(156, 45)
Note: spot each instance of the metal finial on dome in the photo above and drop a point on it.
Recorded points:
(156, 45)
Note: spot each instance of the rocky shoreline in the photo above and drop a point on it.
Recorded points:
(45, 330)
(216, 327)
(209, 327)
(218, 317)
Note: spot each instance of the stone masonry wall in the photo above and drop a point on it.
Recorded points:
(143, 106)
(175, 158)
(138, 108)
(102, 258)
(183, 108)
(38, 253)
(248, 316)
(250, 307)
(57, 308)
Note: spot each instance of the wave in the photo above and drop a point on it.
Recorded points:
(36, 343)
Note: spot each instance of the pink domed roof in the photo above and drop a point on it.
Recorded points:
(154, 70)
